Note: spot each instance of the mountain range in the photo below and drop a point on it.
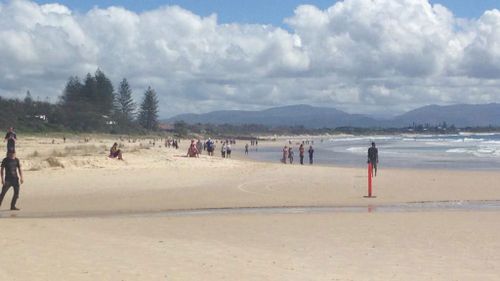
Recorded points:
(460, 115)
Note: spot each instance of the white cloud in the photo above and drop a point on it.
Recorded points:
(363, 56)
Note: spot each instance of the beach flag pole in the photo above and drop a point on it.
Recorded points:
(370, 171)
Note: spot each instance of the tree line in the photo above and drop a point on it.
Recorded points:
(91, 105)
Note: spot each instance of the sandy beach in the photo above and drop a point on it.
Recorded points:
(158, 215)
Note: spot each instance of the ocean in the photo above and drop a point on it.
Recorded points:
(465, 151)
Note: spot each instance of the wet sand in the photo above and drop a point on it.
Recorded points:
(161, 216)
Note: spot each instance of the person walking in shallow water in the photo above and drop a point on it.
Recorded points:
(373, 158)
(290, 155)
(311, 154)
(285, 154)
(301, 154)
(12, 176)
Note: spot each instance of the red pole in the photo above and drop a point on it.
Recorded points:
(370, 170)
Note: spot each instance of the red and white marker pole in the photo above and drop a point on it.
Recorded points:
(370, 171)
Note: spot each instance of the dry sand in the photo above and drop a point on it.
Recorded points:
(87, 217)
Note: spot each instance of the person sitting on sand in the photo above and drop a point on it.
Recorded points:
(9, 169)
(114, 152)
(192, 150)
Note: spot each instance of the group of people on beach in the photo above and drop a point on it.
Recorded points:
(172, 143)
(12, 175)
(288, 154)
(197, 147)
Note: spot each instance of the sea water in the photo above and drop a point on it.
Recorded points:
(465, 151)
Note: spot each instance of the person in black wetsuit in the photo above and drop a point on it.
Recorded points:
(12, 176)
(311, 154)
(373, 158)
(11, 139)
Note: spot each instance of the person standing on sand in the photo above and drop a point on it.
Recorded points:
(210, 147)
(311, 154)
(373, 158)
(199, 146)
(301, 154)
(290, 155)
(11, 139)
(285, 154)
(12, 176)
(228, 150)
(246, 149)
(223, 150)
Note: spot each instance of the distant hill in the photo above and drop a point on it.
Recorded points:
(295, 115)
(461, 115)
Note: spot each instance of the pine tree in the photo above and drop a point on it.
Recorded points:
(71, 104)
(103, 97)
(29, 106)
(28, 100)
(72, 92)
(125, 106)
(148, 115)
(88, 105)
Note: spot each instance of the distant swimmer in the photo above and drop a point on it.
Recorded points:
(12, 176)
(114, 152)
(311, 154)
(301, 154)
(373, 158)
(11, 139)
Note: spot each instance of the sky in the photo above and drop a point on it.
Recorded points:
(377, 57)
(259, 11)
